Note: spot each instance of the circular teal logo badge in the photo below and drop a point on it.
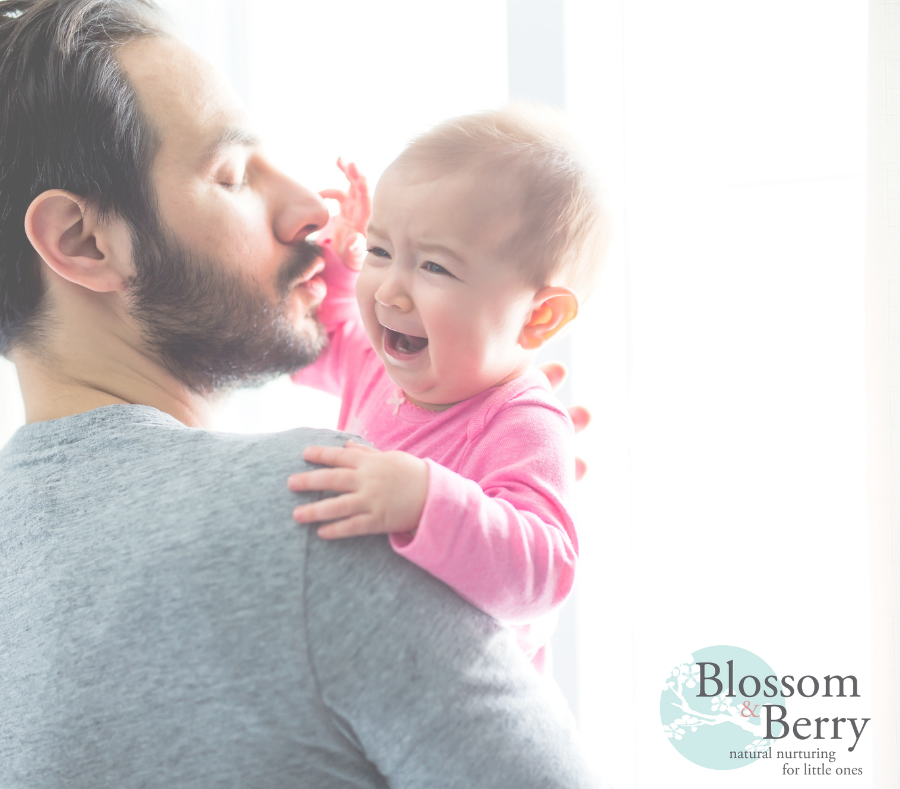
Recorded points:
(713, 707)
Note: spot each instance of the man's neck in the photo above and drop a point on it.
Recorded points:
(57, 393)
(92, 355)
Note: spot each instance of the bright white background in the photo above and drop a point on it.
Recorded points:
(728, 504)
(723, 355)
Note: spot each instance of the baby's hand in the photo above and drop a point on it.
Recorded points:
(347, 229)
(382, 492)
(556, 373)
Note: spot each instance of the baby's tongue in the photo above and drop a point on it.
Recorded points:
(409, 344)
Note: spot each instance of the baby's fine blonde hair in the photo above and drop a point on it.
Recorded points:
(564, 227)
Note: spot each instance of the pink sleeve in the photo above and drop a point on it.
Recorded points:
(339, 314)
(506, 543)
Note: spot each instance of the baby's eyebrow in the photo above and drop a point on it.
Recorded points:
(441, 248)
(374, 231)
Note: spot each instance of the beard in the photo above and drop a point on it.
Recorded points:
(211, 328)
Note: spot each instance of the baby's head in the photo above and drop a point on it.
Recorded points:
(486, 234)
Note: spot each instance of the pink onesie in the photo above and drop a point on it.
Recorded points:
(501, 470)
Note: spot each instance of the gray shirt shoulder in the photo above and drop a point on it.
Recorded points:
(165, 623)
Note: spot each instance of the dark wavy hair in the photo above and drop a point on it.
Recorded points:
(69, 119)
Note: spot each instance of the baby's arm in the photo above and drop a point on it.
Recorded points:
(343, 250)
(505, 543)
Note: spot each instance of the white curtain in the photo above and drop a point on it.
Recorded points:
(883, 367)
(723, 359)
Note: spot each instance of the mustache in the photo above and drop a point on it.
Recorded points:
(306, 253)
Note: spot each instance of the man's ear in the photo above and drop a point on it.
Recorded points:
(556, 308)
(73, 242)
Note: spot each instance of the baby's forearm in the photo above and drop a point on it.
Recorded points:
(339, 314)
(511, 554)
(514, 564)
(343, 250)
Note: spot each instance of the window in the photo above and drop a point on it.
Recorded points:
(723, 354)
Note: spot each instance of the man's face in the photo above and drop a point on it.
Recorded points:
(226, 284)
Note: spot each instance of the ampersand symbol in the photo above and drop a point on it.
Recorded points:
(747, 708)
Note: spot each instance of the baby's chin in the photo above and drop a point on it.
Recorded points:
(428, 406)
(431, 398)
(440, 397)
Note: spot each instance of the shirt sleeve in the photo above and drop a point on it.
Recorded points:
(506, 542)
(339, 314)
(432, 692)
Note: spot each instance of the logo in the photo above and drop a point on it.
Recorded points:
(725, 708)
(716, 707)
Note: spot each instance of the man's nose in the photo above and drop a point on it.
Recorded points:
(299, 213)
(392, 294)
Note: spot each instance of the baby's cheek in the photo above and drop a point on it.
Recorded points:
(463, 364)
(370, 322)
(366, 285)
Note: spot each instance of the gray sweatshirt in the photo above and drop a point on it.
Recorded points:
(165, 623)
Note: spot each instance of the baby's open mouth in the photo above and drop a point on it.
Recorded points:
(403, 343)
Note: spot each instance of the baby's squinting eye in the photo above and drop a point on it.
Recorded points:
(434, 268)
(378, 252)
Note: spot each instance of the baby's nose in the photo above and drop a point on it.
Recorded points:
(391, 296)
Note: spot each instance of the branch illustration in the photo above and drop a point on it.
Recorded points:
(705, 718)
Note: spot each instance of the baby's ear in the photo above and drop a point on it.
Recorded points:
(555, 307)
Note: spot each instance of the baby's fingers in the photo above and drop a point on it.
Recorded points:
(328, 509)
(340, 480)
(332, 456)
(362, 448)
(356, 526)
(359, 188)
(333, 194)
(348, 169)
(357, 180)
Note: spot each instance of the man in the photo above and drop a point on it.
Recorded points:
(163, 621)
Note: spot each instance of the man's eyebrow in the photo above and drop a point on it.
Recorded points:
(230, 137)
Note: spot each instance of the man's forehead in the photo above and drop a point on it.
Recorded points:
(184, 97)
